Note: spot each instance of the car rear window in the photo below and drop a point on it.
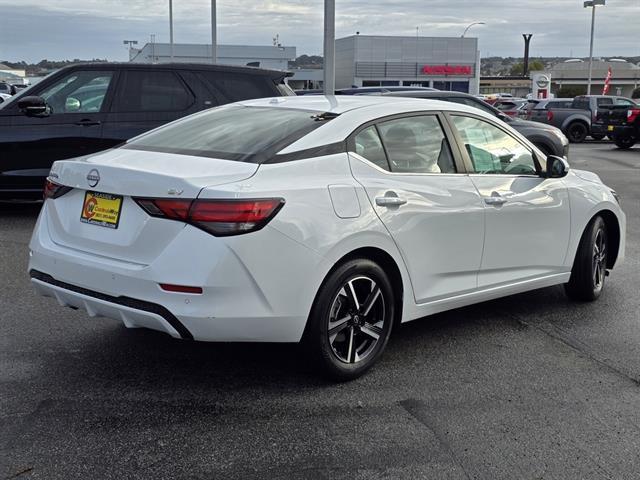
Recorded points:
(234, 132)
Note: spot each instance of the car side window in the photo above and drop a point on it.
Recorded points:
(78, 92)
(417, 145)
(624, 101)
(233, 87)
(604, 101)
(466, 101)
(493, 151)
(369, 146)
(151, 91)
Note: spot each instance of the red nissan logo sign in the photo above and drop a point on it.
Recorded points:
(447, 70)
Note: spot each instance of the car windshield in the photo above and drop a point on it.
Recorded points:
(244, 134)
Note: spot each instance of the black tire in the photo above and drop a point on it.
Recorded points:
(577, 132)
(352, 348)
(625, 142)
(589, 267)
(597, 137)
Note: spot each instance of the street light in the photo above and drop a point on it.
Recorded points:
(469, 26)
(592, 4)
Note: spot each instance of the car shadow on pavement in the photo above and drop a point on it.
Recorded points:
(141, 360)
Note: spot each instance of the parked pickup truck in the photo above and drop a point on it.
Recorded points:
(579, 121)
(622, 124)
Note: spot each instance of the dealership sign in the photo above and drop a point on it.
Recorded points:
(447, 70)
(543, 81)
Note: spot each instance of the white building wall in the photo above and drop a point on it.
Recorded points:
(367, 58)
(345, 62)
(268, 56)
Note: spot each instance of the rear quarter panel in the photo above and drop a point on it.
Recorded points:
(309, 219)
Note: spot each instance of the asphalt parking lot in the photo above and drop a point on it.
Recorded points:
(531, 386)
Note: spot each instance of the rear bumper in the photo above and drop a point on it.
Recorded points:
(133, 313)
(21, 193)
(249, 294)
(624, 131)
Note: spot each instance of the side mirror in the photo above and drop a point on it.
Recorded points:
(72, 105)
(33, 106)
(557, 167)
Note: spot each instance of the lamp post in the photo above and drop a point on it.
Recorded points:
(592, 4)
(469, 26)
(329, 47)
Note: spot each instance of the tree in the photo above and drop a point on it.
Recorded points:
(571, 91)
(518, 68)
(636, 93)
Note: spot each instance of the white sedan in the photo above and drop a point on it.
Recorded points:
(325, 220)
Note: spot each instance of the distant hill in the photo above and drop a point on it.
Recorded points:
(46, 66)
(502, 66)
(491, 66)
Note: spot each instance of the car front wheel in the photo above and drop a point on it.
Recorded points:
(590, 265)
(351, 320)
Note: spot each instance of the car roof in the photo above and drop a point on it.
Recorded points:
(179, 66)
(351, 112)
(427, 94)
(340, 104)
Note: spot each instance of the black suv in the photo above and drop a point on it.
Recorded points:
(87, 108)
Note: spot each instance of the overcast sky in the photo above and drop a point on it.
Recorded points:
(65, 29)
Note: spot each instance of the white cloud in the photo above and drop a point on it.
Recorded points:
(74, 28)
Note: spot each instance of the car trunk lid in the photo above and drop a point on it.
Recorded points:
(108, 183)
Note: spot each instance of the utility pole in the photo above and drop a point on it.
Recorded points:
(171, 28)
(214, 33)
(329, 47)
(525, 63)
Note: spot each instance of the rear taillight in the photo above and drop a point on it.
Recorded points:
(632, 114)
(54, 190)
(549, 115)
(217, 217)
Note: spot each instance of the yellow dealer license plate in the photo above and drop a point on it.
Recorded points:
(610, 128)
(101, 209)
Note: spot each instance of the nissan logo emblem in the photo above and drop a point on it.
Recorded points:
(93, 177)
(543, 81)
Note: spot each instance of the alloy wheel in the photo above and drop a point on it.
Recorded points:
(356, 319)
(599, 259)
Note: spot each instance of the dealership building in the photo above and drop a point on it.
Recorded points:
(625, 76)
(445, 63)
(265, 56)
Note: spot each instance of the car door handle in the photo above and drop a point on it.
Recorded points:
(87, 123)
(495, 200)
(390, 201)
